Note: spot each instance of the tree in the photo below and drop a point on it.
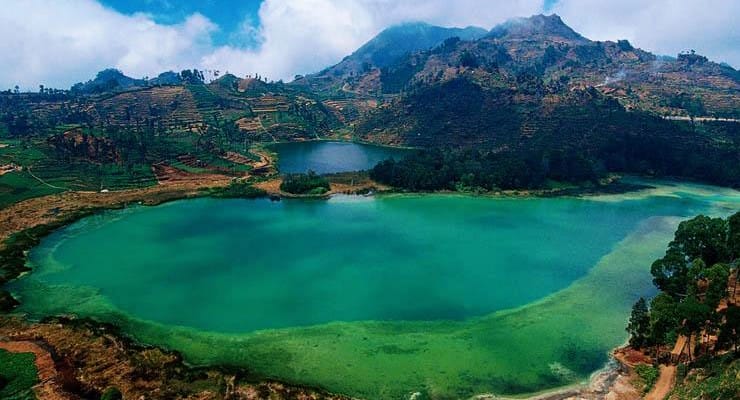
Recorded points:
(733, 245)
(717, 277)
(624, 45)
(309, 183)
(468, 60)
(193, 77)
(733, 236)
(639, 324)
(729, 333)
(111, 393)
(670, 273)
(694, 315)
(696, 272)
(663, 318)
(691, 287)
(702, 237)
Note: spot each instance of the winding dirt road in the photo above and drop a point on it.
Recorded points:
(664, 384)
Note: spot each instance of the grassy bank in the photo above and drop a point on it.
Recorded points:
(17, 375)
(710, 378)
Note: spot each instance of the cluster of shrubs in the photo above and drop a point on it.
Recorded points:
(237, 189)
(309, 183)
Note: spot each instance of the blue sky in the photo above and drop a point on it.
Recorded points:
(58, 43)
(228, 15)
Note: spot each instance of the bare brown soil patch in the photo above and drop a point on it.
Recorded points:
(8, 168)
(664, 384)
(169, 175)
(56, 207)
(631, 357)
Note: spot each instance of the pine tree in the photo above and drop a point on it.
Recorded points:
(639, 325)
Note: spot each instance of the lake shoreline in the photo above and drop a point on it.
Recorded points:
(614, 379)
(340, 140)
(36, 232)
(58, 336)
(359, 183)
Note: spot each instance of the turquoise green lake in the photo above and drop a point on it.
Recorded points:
(377, 297)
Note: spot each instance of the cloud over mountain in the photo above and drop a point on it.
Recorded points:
(661, 26)
(59, 43)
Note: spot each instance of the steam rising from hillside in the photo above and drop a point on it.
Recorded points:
(618, 77)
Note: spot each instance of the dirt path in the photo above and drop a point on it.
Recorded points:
(265, 160)
(43, 181)
(664, 384)
(265, 129)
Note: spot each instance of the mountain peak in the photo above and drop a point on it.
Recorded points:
(389, 46)
(538, 26)
(408, 37)
(110, 73)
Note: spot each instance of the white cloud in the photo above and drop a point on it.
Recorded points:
(308, 35)
(483, 13)
(661, 26)
(297, 37)
(57, 43)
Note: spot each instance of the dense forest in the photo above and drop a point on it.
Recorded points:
(470, 169)
(579, 138)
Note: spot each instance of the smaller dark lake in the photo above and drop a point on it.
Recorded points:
(325, 157)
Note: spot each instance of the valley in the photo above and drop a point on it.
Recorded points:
(446, 213)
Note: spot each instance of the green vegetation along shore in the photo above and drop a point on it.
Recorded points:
(17, 375)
